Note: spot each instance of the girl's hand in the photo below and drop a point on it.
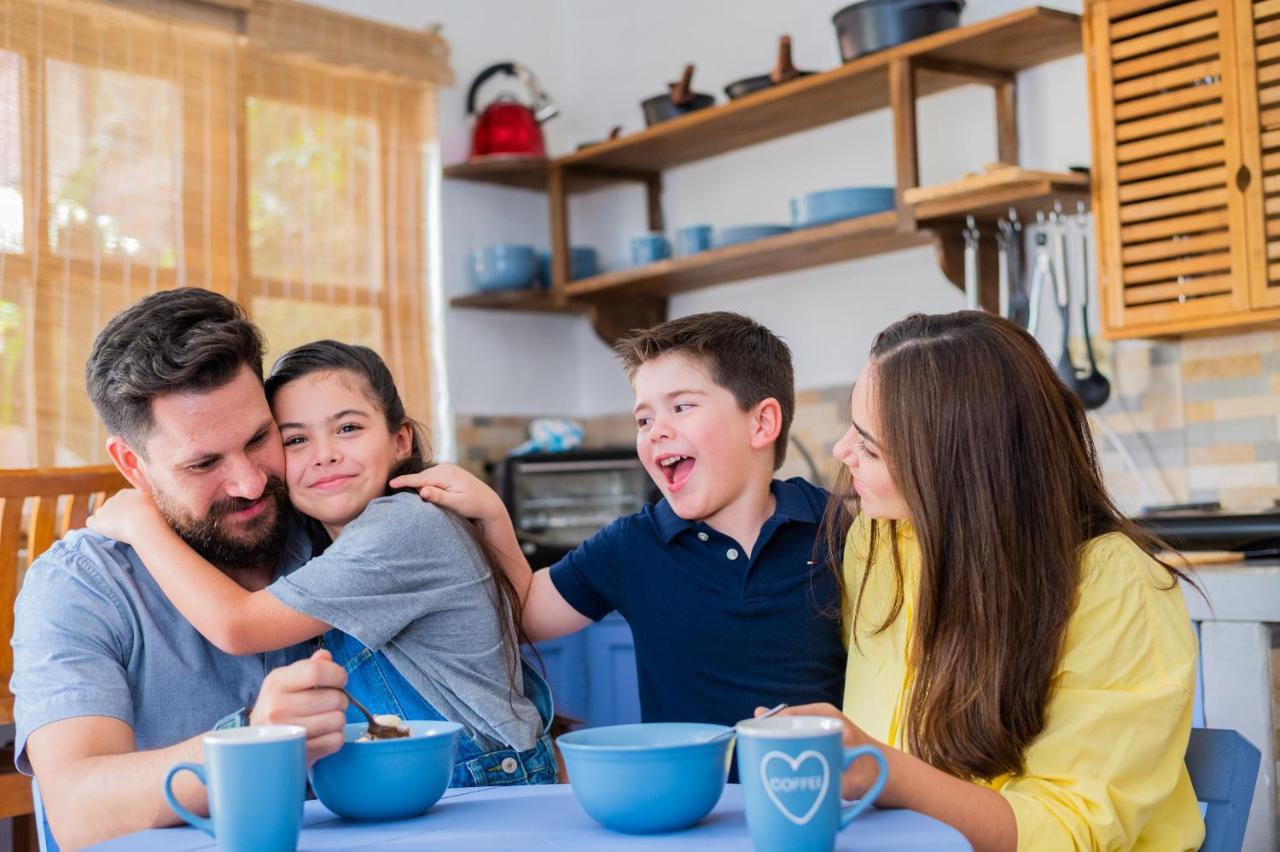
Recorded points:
(453, 488)
(859, 777)
(129, 516)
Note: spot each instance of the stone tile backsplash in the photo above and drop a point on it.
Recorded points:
(1189, 420)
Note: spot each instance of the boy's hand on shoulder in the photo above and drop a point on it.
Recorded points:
(128, 516)
(452, 487)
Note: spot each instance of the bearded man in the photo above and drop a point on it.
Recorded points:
(111, 685)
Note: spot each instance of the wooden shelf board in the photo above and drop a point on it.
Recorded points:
(994, 202)
(1007, 44)
(533, 173)
(539, 301)
(799, 249)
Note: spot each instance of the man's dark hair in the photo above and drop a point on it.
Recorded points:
(740, 355)
(175, 341)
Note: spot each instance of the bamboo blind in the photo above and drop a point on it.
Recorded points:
(139, 152)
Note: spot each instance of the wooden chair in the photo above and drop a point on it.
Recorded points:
(37, 507)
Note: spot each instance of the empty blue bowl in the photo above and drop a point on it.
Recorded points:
(832, 205)
(388, 779)
(504, 267)
(649, 778)
(583, 263)
(748, 233)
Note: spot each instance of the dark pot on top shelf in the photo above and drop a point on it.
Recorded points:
(872, 25)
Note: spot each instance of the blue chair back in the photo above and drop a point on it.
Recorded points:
(1223, 766)
(43, 832)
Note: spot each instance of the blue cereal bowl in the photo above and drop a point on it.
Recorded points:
(649, 778)
(388, 779)
(832, 205)
(504, 267)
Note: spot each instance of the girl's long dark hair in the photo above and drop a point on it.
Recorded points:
(379, 387)
(994, 458)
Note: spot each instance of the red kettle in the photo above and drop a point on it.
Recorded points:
(508, 127)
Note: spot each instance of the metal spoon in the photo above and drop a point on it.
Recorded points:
(724, 735)
(376, 730)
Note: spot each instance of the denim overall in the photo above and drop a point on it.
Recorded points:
(372, 679)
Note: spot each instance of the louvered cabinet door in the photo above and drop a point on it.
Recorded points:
(1167, 163)
(1257, 37)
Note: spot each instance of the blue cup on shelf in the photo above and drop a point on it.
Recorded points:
(504, 267)
(790, 768)
(583, 263)
(693, 239)
(650, 248)
(256, 777)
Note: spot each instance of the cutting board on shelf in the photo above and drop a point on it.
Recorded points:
(1202, 558)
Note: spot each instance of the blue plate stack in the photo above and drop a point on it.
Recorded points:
(832, 205)
(747, 233)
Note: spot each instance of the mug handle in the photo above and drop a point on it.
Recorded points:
(203, 823)
(849, 813)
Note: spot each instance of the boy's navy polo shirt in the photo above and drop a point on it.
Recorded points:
(717, 633)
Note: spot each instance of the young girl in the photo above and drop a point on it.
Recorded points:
(1016, 649)
(423, 621)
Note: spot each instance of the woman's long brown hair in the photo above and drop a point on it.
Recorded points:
(994, 458)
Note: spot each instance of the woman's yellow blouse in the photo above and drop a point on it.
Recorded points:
(1107, 771)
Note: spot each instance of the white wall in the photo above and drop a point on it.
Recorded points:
(598, 59)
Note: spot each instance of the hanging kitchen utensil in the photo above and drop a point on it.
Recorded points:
(1004, 237)
(784, 71)
(1019, 303)
(1042, 269)
(507, 127)
(1095, 389)
(679, 100)
(971, 236)
(1065, 367)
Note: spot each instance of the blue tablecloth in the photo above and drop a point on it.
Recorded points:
(548, 818)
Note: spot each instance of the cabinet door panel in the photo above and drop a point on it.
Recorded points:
(1258, 45)
(1167, 156)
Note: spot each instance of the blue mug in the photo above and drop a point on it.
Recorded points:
(256, 778)
(650, 248)
(790, 768)
(693, 239)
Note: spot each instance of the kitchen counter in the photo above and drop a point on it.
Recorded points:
(1237, 627)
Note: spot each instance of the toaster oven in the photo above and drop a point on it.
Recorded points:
(559, 500)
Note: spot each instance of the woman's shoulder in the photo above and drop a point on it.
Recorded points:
(1114, 562)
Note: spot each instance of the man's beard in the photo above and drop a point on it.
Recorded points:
(254, 545)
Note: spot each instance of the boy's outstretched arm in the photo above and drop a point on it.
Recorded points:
(547, 615)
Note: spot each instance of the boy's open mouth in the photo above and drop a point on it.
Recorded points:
(676, 469)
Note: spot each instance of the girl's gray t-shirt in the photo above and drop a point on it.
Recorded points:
(406, 579)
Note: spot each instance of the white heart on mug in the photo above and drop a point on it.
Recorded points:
(796, 783)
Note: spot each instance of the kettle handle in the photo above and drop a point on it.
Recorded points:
(508, 68)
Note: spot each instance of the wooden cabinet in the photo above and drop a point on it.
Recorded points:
(1186, 137)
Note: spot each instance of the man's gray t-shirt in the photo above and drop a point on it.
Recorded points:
(405, 578)
(94, 635)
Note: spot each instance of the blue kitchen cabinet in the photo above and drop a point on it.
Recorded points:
(593, 673)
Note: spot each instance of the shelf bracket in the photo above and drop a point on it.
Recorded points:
(614, 316)
(902, 102)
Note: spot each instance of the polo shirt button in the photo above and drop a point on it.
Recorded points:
(703, 537)
(509, 765)
(732, 553)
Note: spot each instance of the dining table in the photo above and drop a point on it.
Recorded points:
(548, 817)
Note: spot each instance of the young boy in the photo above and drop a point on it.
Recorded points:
(728, 601)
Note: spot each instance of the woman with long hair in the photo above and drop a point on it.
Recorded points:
(1016, 646)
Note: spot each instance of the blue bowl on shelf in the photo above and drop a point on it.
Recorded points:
(747, 233)
(832, 205)
(647, 778)
(388, 779)
(583, 263)
(504, 267)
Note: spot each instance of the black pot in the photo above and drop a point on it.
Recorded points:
(872, 25)
(660, 108)
(747, 85)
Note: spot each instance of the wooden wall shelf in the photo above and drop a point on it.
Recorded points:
(989, 52)
(800, 249)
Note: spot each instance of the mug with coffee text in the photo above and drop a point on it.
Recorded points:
(790, 768)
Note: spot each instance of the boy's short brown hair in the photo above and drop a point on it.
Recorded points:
(740, 355)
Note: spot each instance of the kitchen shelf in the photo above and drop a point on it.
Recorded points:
(539, 301)
(989, 53)
(852, 238)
